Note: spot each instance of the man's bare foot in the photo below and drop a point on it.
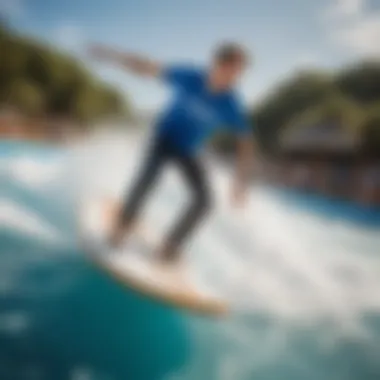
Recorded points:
(168, 253)
(117, 236)
(168, 265)
(173, 267)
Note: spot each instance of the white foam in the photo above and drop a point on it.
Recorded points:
(15, 217)
(31, 171)
(14, 322)
(270, 257)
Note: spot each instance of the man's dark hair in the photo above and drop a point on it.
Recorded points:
(231, 52)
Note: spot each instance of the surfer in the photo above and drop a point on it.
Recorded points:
(205, 103)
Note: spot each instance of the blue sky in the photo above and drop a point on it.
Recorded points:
(283, 35)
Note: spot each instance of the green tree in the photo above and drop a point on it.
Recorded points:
(292, 97)
(37, 78)
(27, 96)
(371, 129)
(361, 82)
(350, 97)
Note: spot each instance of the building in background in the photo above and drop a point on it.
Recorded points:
(327, 160)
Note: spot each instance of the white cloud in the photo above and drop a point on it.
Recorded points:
(352, 27)
(12, 8)
(306, 59)
(361, 37)
(69, 36)
(345, 8)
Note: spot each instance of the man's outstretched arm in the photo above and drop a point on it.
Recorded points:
(136, 64)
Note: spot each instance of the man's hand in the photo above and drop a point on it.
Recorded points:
(132, 62)
(244, 166)
(238, 195)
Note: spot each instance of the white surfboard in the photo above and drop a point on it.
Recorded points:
(134, 264)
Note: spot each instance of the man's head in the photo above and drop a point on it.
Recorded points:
(229, 62)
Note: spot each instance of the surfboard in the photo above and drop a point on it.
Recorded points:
(134, 264)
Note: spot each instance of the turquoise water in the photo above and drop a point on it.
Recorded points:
(60, 318)
(334, 208)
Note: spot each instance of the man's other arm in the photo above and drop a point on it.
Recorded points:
(132, 62)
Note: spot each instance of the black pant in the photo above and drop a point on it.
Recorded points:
(160, 153)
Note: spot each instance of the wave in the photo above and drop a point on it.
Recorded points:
(32, 172)
(269, 257)
(15, 217)
(303, 286)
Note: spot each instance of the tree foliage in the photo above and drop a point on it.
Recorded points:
(361, 82)
(371, 129)
(28, 96)
(350, 97)
(38, 79)
(292, 97)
